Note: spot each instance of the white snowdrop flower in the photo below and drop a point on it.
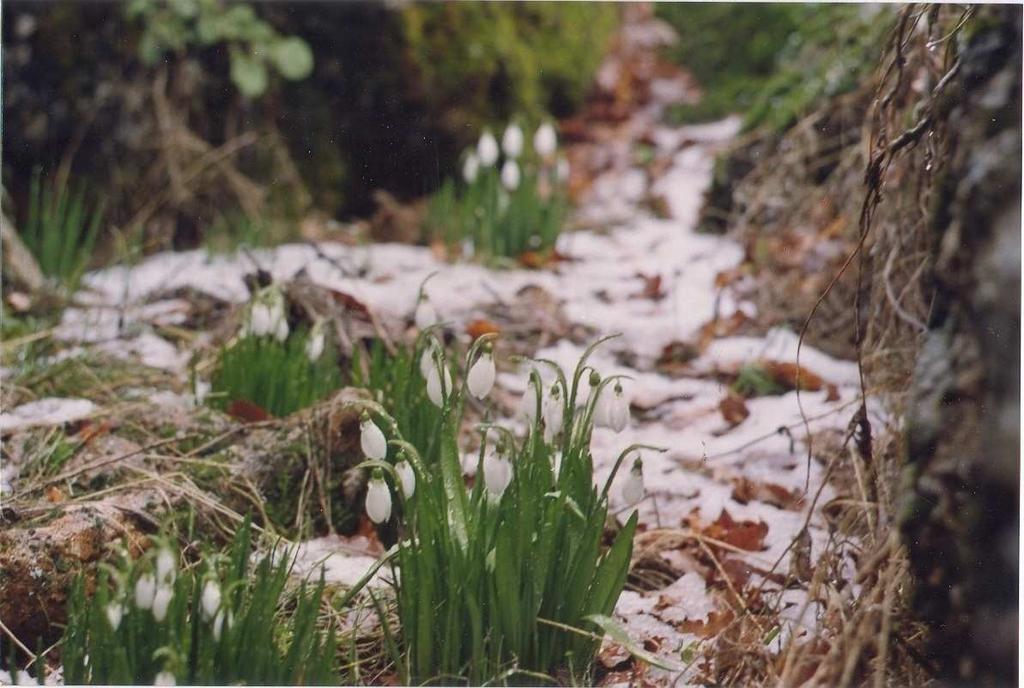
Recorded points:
(528, 403)
(166, 566)
(114, 612)
(512, 140)
(497, 472)
(165, 678)
(161, 601)
(210, 599)
(427, 358)
(145, 590)
(220, 622)
(562, 170)
(556, 462)
(435, 392)
(371, 439)
(378, 499)
(481, 375)
(260, 320)
(425, 314)
(545, 141)
(315, 344)
(487, 149)
(553, 412)
(510, 175)
(617, 410)
(633, 487)
(406, 477)
(470, 167)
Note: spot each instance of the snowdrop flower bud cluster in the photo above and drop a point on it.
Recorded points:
(545, 142)
(425, 314)
(497, 471)
(267, 316)
(633, 487)
(510, 175)
(470, 167)
(371, 438)
(480, 379)
(317, 341)
(378, 498)
(487, 149)
(512, 141)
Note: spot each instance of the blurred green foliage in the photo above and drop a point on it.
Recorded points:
(253, 44)
(482, 62)
(772, 62)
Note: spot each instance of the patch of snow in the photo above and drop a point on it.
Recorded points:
(48, 411)
(341, 563)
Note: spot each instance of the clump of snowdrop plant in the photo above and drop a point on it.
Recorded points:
(510, 199)
(279, 374)
(490, 575)
(221, 622)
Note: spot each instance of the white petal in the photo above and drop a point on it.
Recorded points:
(164, 678)
(315, 347)
(210, 599)
(281, 329)
(470, 168)
(497, 473)
(372, 440)
(618, 412)
(145, 589)
(166, 565)
(528, 404)
(487, 149)
(545, 141)
(434, 391)
(114, 613)
(512, 141)
(162, 600)
(510, 175)
(406, 477)
(378, 501)
(481, 376)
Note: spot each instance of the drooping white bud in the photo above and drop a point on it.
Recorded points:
(425, 313)
(617, 410)
(166, 566)
(497, 472)
(553, 412)
(427, 357)
(210, 599)
(378, 499)
(510, 175)
(545, 141)
(372, 440)
(481, 375)
(316, 343)
(161, 601)
(470, 167)
(487, 149)
(512, 140)
(260, 320)
(528, 403)
(281, 330)
(633, 487)
(145, 589)
(222, 620)
(114, 612)
(435, 391)
(165, 678)
(406, 477)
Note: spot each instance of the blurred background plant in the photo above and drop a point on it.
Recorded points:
(230, 619)
(61, 228)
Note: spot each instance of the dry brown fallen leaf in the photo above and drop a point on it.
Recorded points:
(652, 288)
(745, 490)
(748, 535)
(480, 327)
(247, 412)
(734, 409)
(785, 374)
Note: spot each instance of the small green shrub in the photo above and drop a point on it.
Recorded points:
(506, 579)
(253, 45)
(502, 211)
(225, 621)
(272, 367)
(61, 229)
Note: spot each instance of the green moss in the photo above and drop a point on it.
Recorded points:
(486, 62)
